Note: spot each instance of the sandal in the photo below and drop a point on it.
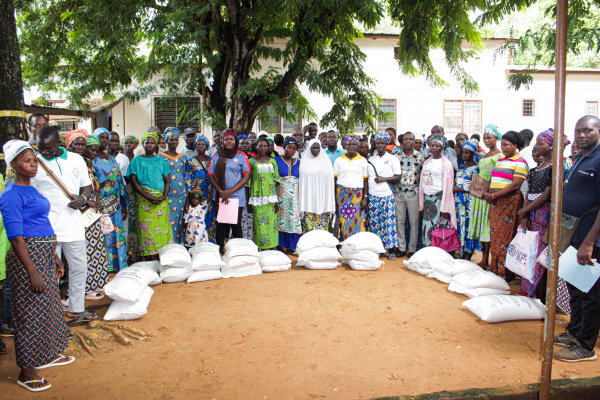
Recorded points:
(84, 317)
(32, 389)
(65, 305)
(60, 360)
(391, 257)
(94, 296)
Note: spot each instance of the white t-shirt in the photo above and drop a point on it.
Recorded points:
(386, 166)
(432, 176)
(350, 173)
(123, 162)
(72, 171)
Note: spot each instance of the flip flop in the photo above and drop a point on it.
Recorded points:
(65, 305)
(31, 389)
(94, 296)
(61, 360)
(82, 318)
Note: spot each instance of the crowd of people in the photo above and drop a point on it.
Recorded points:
(150, 192)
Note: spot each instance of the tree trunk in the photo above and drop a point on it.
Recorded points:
(12, 124)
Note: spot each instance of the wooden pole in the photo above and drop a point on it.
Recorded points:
(560, 76)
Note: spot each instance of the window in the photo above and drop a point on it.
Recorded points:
(387, 105)
(462, 116)
(591, 108)
(66, 125)
(180, 112)
(278, 124)
(529, 108)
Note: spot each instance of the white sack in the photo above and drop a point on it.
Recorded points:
(368, 256)
(480, 279)
(311, 264)
(175, 255)
(359, 265)
(204, 247)
(175, 274)
(454, 267)
(471, 293)
(243, 251)
(201, 276)
(427, 254)
(204, 261)
(233, 243)
(506, 308)
(276, 268)
(239, 261)
(129, 284)
(247, 270)
(123, 311)
(319, 254)
(273, 258)
(364, 241)
(316, 238)
(417, 267)
(153, 266)
(439, 276)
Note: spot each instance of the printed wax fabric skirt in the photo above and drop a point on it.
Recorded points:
(176, 204)
(290, 222)
(153, 223)
(97, 258)
(352, 218)
(40, 329)
(431, 215)
(503, 228)
(539, 222)
(319, 222)
(464, 205)
(247, 224)
(382, 219)
(132, 233)
(116, 244)
(266, 235)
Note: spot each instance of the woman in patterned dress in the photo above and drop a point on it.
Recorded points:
(196, 177)
(177, 192)
(264, 203)
(290, 223)
(130, 143)
(80, 142)
(479, 217)
(462, 198)
(112, 184)
(247, 219)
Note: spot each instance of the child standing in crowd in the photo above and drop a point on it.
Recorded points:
(194, 226)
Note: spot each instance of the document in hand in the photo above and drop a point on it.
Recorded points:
(228, 212)
(583, 277)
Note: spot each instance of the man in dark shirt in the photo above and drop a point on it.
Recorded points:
(582, 194)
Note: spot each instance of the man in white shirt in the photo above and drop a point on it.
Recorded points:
(112, 150)
(65, 217)
(299, 136)
(384, 171)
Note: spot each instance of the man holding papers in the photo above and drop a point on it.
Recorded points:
(581, 197)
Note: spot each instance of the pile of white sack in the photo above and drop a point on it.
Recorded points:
(317, 250)
(176, 262)
(361, 251)
(478, 283)
(241, 259)
(206, 263)
(130, 292)
(274, 261)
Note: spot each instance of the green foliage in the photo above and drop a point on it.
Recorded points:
(242, 56)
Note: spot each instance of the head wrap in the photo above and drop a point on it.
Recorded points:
(471, 145)
(493, 129)
(515, 139)
(382, 135)
(316, 183)
(548, 137)
(170, 131)
(270, 140)
(131, 137)
(441, 139)
(243, 137)
(13, 148)
(201, 138)
(290, 140)
(100, 131)
(92, 140)
(350, 138)
(77, 133)
(149, 135)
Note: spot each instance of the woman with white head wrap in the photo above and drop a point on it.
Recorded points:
(316, 187)
(463, 199)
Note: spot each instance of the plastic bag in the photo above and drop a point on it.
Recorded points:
(522, 253)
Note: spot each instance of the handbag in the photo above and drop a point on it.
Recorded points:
(445, 238)
(89, 215)
(109, 204)
(568, 226)
(478, 186)
(106, 224)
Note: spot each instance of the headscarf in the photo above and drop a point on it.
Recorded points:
(317, 189)
(290, 140)
(100, 131)
(493, 129)
(441, 139)
(350, 138)
(243, 137)
(270, 140)
(548, 137)
(92, 140)
(224, 155)
(131, 137)
(203, 139)
(148, 135)
(77, 133)
(170, 131)
(471, 145)
(382, 135)
(13, 148)
(515, 139)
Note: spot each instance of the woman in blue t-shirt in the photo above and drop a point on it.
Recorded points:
(33, 269)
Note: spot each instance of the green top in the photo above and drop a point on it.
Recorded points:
(262, 182)
(149, 171)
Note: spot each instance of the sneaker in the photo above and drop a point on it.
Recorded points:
(575, 353)
(564, 339)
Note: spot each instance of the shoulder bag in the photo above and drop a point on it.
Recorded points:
(478, 186)
(393, 187)
(568, 226)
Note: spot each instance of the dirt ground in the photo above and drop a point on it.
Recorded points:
(303, 334)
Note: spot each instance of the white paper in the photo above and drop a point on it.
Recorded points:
(583, 277)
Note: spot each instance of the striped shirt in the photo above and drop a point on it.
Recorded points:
(506, 169)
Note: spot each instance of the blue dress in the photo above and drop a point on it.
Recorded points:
(290, 222)
(177, 193)
(116, 243)
(464, 206)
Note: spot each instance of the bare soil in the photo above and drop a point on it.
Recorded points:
(302, 334)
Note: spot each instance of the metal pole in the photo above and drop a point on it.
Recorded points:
(560, 76)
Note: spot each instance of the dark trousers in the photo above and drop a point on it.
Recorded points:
(223, 230)
(585, 311)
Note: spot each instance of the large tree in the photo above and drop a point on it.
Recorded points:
(218, 49)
